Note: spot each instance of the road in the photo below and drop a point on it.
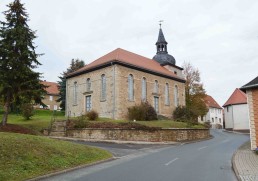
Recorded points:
(208, 160)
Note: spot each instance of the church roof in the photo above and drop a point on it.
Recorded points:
(210, 102)
(52, 87)
(252, 84)
(161, 38)
(129, 59)
(237, 97)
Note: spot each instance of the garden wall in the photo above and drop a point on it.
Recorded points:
(161, 135)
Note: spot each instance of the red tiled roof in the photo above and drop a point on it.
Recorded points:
(238, 97)
(127, 58)
(210, 102)
(52, 87)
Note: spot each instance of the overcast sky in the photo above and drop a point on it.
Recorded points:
(219, 37)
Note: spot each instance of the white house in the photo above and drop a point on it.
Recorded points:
(214, 115)
(236, 112)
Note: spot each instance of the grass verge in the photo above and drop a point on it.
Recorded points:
(26, 156)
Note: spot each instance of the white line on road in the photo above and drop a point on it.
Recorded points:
(202, 147)
(168, 163)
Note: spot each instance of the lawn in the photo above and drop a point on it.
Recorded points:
(27, 156)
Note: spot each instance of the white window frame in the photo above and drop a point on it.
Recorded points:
(88, 85)
(176, 97)
(103, 93)
(75, 93)
(167, 102)
(144, 89)
(130, 87)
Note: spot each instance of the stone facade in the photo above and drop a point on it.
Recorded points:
(252, 97)
(116, 103)
(162, 135)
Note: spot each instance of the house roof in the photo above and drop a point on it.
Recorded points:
(210, 102)
(129, 59)
(238, 97)
(52, 87)
(252, 84)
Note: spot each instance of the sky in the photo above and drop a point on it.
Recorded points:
(220, 37)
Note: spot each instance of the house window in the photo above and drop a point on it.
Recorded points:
(88, 85)
(166, 94)
(144, 89)
(176, 98)
(212, 120)
(88, 103)
(156, 104)
(103, 87)
(219, 120)
(156, 87)
(51, 98)
(227, 109)
(130, 88)
(55, 107)
(75, 93)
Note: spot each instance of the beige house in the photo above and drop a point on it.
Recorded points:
(121, 79)
(51, 96)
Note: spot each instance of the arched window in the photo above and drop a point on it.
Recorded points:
(75, 93)
(88, 85)
(144, 89)
(167, 94)
(103, 87)
(156, 87)
(130, 87)
(176, 98)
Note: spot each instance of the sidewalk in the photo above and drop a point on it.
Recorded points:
(245, 163)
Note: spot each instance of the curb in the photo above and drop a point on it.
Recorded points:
(235, 132)
(234, 165)
(70, 169)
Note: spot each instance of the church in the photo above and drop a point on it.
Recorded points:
(121, 79)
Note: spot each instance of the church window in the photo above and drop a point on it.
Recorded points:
(103, 87)
(176, 99)
(156, 87)
(130, 88)
(88, 85)
(167, 94)
(75, 93)
(144, 89)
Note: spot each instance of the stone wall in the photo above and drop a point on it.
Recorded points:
(163, 135)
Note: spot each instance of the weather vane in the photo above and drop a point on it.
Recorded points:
(160, 22)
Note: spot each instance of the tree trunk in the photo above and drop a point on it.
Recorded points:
(6, 109)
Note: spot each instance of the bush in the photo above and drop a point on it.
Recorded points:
(142, 112)
(207, 124)
(92, 115)
(27, 111)
(256, 151)
(181, 113)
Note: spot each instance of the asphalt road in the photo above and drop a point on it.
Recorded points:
(202, 161)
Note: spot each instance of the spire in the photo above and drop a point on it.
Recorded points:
(161, 38)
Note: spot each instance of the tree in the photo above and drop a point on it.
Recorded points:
(194, 92)
(19, 83)
(75, 65)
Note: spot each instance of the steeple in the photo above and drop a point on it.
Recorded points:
(162, 56)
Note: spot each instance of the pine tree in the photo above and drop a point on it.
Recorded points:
(19, 83)
(75, 65)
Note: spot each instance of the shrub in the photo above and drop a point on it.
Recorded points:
(181, 113)
(92, 115)
(256, 151)
(207, 124)
(27, 111)
(142, 112)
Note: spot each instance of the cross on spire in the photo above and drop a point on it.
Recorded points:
(160, 23)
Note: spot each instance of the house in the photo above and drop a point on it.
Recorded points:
(214, 114)
(251, 90)
(121, 79)
(51, 96)
(236, 112)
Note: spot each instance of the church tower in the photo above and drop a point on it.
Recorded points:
(163, 58)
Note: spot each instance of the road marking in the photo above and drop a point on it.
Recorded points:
(202, 147)
(168, 163)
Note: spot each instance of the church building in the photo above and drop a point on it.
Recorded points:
(121, 79)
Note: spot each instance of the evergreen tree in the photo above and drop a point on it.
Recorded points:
(194, 92)
(19, 83)
(75, 65)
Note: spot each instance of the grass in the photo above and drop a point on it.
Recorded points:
(27, 156)
(39, 121)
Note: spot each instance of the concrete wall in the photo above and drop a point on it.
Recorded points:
(236, 117)
(163, 135)
(116, 103)
(252, 99)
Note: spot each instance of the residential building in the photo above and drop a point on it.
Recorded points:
(121, 79)
(51, 96)
(214, 114)
(251, 89)
(236, 112)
